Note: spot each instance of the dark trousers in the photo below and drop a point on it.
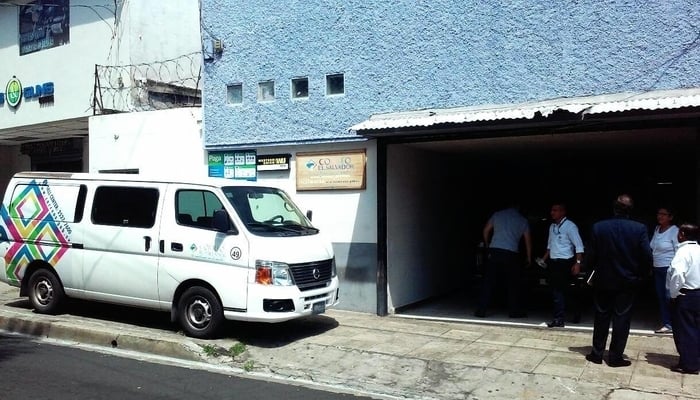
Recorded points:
(502, 268)
(686, 329)
(662, 294)
(615, 305)
(559, 279)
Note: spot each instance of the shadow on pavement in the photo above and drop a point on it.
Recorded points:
(261, 334)
(13, 345)
(272, 335)
(583, 350)
(664, 360)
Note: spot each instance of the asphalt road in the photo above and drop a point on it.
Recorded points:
(46, 370)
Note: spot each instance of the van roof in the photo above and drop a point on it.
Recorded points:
(116, 177)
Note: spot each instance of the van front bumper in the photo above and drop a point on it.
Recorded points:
(280, 303)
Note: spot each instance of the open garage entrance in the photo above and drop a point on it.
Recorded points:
(439, 193)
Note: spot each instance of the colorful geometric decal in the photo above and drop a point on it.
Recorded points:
(31, 229)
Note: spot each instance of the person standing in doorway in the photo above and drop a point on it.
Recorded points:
(684, 287)
(563, 256)
(502, 235)
(620, 255)
(664, 243)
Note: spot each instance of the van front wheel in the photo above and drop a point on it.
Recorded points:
(45, 292)
(201, 313)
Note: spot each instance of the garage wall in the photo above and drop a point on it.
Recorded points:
(420, 241)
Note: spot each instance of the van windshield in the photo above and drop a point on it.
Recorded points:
(268, 211)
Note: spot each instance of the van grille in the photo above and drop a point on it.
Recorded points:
(304, 278)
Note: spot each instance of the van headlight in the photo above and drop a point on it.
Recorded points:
(272, 273)
(334, 271)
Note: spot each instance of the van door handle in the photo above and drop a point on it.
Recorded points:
(148, 242)
(161, 246)
(176, 246)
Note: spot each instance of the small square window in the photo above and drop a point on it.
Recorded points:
(234, 93)
(266, 91)
(335, 84)
(300, 88)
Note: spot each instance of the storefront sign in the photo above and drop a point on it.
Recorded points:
(331, 170)
(43, 24)
(274, 162)
(14, 92)
(233, 164)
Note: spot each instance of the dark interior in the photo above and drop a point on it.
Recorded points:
(586, 171)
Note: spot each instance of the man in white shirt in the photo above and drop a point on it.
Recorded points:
(563, 257)
(683, 283)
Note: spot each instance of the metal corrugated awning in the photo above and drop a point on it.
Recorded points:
(619, 102)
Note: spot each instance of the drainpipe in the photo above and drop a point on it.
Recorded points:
(382, 297)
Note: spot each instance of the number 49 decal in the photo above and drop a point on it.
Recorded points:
(235, 253)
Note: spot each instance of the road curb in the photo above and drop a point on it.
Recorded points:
(105, 338)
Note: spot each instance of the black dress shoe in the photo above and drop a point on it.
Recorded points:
(619, 363)
(555, 324)
(594, 359)
(679, 369)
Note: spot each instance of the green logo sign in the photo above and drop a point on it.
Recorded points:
(13, 91)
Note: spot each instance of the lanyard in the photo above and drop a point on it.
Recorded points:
(556, 228)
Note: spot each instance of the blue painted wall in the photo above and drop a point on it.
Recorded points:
(400, 55)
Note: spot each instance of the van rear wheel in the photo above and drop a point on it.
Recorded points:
(45, 292)
(201, 314)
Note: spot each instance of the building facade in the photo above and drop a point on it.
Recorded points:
(66, 61)
(400, 125)
(456, 105)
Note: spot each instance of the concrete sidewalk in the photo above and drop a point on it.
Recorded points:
(388, 357)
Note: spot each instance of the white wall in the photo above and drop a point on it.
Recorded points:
(154, 142)
(169, 142)
(162, 30)
(70, 67)
(144, 32)
(419, 242)
(345, 215)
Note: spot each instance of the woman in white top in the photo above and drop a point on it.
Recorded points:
(664, 244)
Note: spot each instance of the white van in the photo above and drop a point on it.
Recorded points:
(205, 250)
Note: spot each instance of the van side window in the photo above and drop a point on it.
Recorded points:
(196, 208)
(125, 206)
(35, 201)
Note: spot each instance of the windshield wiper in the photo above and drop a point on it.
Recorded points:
(296, 228)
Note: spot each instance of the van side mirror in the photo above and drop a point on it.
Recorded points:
(309, 214)
(221, 221)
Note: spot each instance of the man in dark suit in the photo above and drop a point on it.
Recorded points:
(621, 257)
